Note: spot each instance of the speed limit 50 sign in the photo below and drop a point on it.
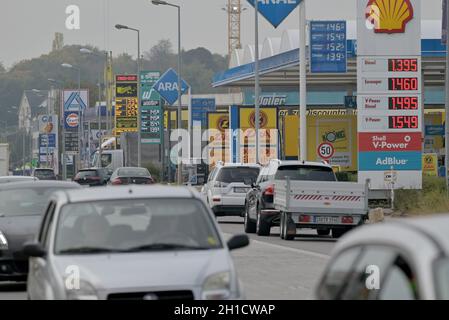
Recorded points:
(325, 150)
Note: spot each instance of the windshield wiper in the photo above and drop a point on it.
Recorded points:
(87, 250)
(164, 246)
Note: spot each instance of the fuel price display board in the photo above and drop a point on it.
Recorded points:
(126, 104)
(389, 88)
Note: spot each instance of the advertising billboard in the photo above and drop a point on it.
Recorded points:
(126, 104)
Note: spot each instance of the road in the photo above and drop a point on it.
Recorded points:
(274, 269)
(270, 268)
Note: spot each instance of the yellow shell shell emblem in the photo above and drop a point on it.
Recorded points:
(389, 16)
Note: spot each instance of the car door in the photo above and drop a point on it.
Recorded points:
(373, 272)
(253, 194)
(38, 285)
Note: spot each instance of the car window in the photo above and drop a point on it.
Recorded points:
(237, 174)
(400, 283)
(305, 173)
(86, 173)
(373, 257)
(133, 172)
(211, 175)
(13, 202)
(46, 223)
(262, 175)
(127, 225)
(337, 274)
(44, 173)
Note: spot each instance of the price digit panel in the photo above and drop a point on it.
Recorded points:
(403, 103)
(403, 84)
(403, 122)
(403, 65)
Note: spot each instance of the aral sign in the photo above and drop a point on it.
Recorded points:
(276, 11)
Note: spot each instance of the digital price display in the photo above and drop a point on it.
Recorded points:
(403, 103)
(403, 122)
(403, 84)
(403, 65)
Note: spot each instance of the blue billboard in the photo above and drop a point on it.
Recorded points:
(328, 47)
(200, 108)
(384, 161)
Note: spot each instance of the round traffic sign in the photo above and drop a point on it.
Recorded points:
(325, 150)
(72, 120)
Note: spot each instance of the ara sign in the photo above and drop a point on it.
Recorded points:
(167, 86)
(276, 11)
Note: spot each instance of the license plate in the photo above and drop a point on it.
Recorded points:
(241, 190)
(327, 220)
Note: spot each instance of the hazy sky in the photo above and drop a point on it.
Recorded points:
(27, 27)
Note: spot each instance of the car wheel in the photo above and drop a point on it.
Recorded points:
(281, 227)
(285, 220)
(262, 227)
(250, 225)
(323, 232)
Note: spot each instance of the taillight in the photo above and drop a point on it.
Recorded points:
(304, 218)
(347, 220)
(116, 181)
(95, 178)
(216, 199)
(150, 181)
(269, 191)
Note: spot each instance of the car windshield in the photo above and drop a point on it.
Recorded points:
(135, 225)
(87, 173)
(442, 279)
(305, 173)
(25, 201)
(237, 174)
(133, 172)
(44, 173)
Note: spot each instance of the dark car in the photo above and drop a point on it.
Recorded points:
(21, 207)
(260, 213)
(131, 175)
(92, 177)
(44, 174)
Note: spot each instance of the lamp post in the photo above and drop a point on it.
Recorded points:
(105, 57)
(80, 124)
(60, 84)
(165, 3)
(139, 142)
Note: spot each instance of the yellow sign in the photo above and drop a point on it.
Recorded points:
(218, 148)
(430, 164)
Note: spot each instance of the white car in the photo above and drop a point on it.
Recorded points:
(227, 185)
(133, 242)
(398, 260)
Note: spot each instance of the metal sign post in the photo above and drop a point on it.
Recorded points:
(302, 83)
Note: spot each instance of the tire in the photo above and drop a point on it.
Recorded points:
(281, 227)
(284, 227)
(262, 227)
(250, 225)
(323, 232)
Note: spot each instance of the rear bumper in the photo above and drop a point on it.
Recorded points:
(228, 210)
(13, 270)
(314, 223)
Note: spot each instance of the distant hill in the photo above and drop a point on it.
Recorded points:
(199, 65)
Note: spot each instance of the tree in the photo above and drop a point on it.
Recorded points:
(160, 57)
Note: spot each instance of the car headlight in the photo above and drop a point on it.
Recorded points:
(86, 291)
(217, 286)
(3, 242)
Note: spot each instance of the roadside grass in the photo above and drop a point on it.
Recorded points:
(430, 200)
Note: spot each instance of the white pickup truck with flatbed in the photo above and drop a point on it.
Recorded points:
(325, 206)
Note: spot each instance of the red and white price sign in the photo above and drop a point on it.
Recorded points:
(325, 150)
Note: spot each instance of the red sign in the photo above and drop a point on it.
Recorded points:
(325, 150)
(125, 78)
(390, 142)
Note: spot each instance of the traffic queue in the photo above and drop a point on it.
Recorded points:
(121, 236)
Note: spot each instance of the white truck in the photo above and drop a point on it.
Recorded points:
(4, 159)
(325, 206)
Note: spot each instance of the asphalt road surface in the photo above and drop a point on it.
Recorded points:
(269, 268)
(274, 269)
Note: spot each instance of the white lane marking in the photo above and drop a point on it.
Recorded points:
(295, 250)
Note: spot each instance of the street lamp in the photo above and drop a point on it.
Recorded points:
(80, 124)
(165, 3)
(139, 142)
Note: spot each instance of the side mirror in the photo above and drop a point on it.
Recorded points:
(238, 241)
(33, 250)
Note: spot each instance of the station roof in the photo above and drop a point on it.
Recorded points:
(279, 61)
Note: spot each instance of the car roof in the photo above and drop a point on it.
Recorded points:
(39, 184)
(236, 165)
(302, 163)
(130, 192)
(408, 232)
(43, 169)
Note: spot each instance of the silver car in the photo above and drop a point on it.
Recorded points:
(133, 242)
(405, 259)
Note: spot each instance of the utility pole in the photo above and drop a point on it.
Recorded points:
(302, 83)
(447, 99)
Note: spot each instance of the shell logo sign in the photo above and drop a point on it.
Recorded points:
(389, 16)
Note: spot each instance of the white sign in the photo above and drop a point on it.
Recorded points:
(75, 100)
(392, 104)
